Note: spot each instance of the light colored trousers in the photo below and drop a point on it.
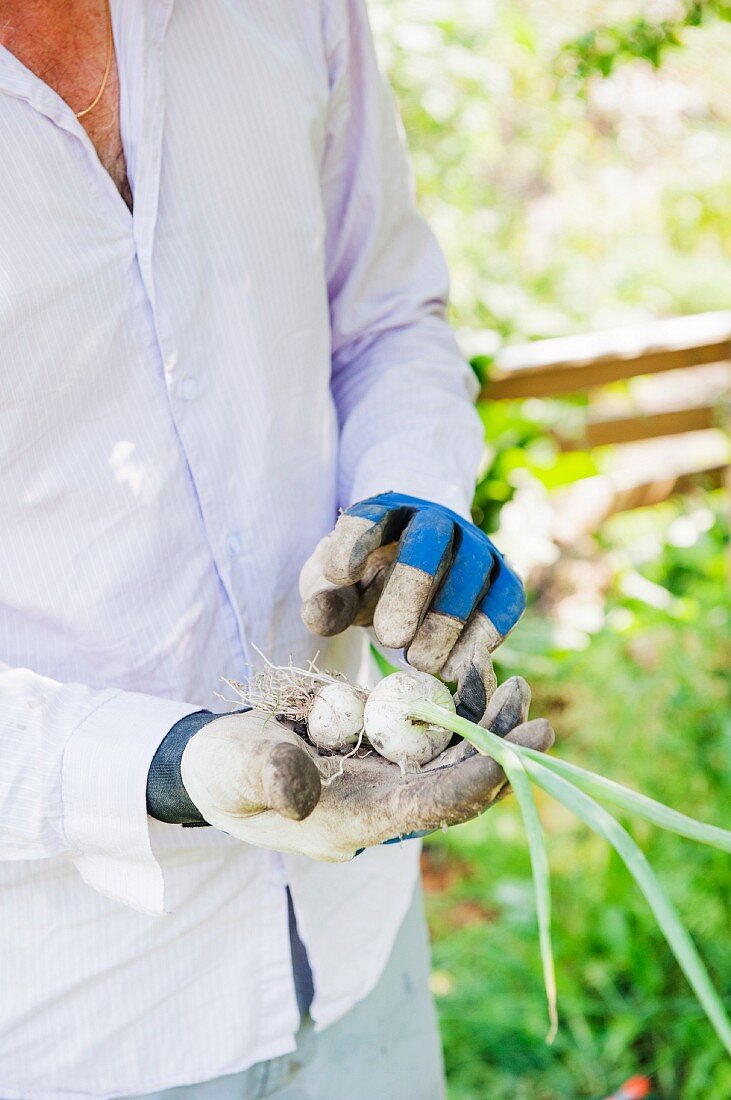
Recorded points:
(386, 1048)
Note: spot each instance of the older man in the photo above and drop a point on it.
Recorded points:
(221, 320)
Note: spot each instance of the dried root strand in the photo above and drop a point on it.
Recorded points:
(286, 691)
(341, 765)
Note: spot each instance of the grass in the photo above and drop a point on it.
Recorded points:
(651, 707)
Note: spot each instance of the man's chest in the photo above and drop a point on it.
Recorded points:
(224, 126)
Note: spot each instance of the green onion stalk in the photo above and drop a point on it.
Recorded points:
(578, 790)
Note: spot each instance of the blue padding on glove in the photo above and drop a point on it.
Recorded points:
(409, 836)
(468, 576)
(478, 575)
(398, 839)
(504, 601)
(426, 540)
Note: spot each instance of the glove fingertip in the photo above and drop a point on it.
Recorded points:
(291, 782)
(508, 707)
(330, 611)
(537, 734)
(348, 547)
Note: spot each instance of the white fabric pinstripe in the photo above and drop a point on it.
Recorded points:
(173, 443)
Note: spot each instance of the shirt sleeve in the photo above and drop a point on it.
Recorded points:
(73, 775)
(403, 391)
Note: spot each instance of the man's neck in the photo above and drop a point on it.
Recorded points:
(65, 43)
(48, 27)
(61, 42)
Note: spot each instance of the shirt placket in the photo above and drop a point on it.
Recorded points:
(275, 999)
(184, 381)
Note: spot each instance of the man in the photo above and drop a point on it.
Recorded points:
(221, 320)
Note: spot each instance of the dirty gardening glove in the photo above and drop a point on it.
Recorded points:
(429, 581)
(258, 780)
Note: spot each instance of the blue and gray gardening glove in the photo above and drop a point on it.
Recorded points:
(430, 583)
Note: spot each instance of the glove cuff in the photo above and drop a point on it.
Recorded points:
(167, 798)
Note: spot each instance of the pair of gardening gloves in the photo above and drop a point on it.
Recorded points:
(431, 584)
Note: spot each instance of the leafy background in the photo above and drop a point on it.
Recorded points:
(574, 160)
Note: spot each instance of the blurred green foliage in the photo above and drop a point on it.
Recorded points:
(564, 207)
(574, 160)
(600, 50)
(517, 445)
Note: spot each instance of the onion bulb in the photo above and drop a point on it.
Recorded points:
(390, 730)
(335, 719)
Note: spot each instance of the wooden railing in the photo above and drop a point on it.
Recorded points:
(571, 364)
(591, 363)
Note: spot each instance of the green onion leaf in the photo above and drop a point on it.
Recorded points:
(506, 755)
(565, 782)
(520, 783)
(682, 946)
(634, 802)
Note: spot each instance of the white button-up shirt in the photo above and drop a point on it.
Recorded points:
(187, 394)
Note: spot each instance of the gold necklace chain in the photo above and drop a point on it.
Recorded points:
(105, 78)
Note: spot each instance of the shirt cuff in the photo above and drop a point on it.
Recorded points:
(104, 780)
(416, 484)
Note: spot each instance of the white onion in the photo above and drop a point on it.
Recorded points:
(390, 730)
(335, 720)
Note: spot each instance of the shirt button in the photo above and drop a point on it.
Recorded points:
(189, 389)
(233, 545)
